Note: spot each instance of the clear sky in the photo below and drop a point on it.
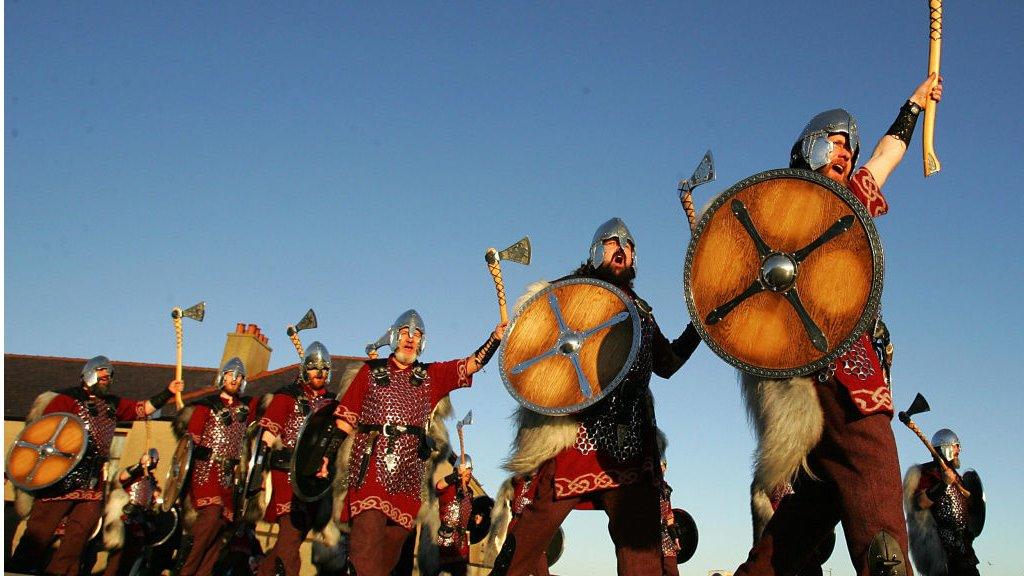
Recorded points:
(359, 159)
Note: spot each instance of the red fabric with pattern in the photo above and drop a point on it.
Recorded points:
(210, 492)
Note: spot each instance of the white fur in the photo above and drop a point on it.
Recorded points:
(925, 547)
(113, 524)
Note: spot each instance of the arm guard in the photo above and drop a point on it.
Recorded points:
(903, 127)
(160, 398)
(485, 352)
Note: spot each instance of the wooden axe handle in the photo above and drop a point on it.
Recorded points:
(178, 403)
(935, 454)
(494, 266)
(462, 455)
(931, 161)
(297, 343)
(691, 214)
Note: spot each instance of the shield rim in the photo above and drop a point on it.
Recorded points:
(169, 503)
(254, 435)
(78, 457)
(634, 349)
(174, 528)
(871, 307)
(295, 453)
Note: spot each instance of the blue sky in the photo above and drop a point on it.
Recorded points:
(360, 158)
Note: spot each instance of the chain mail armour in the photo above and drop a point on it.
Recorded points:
(395, 460)
(224, 441)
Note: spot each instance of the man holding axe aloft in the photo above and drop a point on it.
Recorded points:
(387, 407)
(840, 448)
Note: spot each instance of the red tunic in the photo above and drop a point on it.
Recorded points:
(101, 421)
(397, 493)
(212, 483)
(453, 544)
(283, 418)
(858, 370)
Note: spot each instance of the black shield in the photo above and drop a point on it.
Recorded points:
(319, 438)
(976, 515)
(480, 518)
(162, 526)
(555, 547)
(686, 531)
(251, 467)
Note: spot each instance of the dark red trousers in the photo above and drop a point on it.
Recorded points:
(82, 516)
(292, 530)
(858, 484)
(634, 523)
(206, 541)
(375, 544)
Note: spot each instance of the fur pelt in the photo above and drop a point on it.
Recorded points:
(925, 546)
(23, 500)
(761, 510)
(113, 511)
(788, 421)
(501, 516)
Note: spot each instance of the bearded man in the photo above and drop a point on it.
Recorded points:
(829, 433)
(387, 407)
(217, 425)
(79, 496)
(288, 410)
(607, 456)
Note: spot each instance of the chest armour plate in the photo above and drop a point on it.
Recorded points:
(100, 421)
(141, 491)
(303, 406)
(619, 424)
(224, 442)
(454, 517)
(395, 460)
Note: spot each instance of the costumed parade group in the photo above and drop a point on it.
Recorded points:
(361, 465)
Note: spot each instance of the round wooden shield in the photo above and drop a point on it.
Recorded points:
(177, 475)
(46, 451)
(570, 345)
(784, 273)
(318, 439)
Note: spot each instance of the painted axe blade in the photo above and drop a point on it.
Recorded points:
(704, 173)
(467, 420)
(519, 252)
(197, 312)
(918, 406)
(308, 321)
(381, 342)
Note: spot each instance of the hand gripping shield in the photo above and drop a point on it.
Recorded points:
(570, 345)
(46, 451)
(177, 475)
(784, 273)
(318, 438)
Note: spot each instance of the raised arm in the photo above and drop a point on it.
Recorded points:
(890, 149)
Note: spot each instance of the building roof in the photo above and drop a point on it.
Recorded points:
(26, 377)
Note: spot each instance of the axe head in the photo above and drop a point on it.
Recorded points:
(918, 406)
(381, 342)
(308, 321)
(468, 419)
(705, 172)
(197, 312)
(519, 252)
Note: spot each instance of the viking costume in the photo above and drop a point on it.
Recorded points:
(288, 410)
(217, 425)
(127, 523)
(829, 433)
(941, 534)
(605, 457)
(78, 498)
(455, 507)
(514, 496)
(388, 408)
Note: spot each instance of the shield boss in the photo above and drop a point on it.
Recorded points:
(570, 345)
(784, 273)
(46, 451)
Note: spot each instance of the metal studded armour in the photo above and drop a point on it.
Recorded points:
(453, 520)
(620, 424)
(100, 417)
(394, 459)
(951, 514)
(304, 405)
(141, 492)
(223, 435)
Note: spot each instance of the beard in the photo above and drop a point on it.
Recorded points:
(404, 357)
(623, 279)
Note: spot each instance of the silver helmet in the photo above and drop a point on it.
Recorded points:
(92, 366)
(412, 320)
(943, 441)
(468, 463)
(813, 147)
(154, 458)
(317, 358)
(612, 229)
(233, 365)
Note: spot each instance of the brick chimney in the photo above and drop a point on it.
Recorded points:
(249, 344)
